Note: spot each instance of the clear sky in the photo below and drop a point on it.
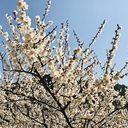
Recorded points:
(85, 16)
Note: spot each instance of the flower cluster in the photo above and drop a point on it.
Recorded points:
(44, 84)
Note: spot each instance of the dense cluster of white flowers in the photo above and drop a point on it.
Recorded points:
(48, 86)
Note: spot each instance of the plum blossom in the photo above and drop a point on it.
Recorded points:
(47, 83)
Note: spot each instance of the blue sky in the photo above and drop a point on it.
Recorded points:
(85, 16)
